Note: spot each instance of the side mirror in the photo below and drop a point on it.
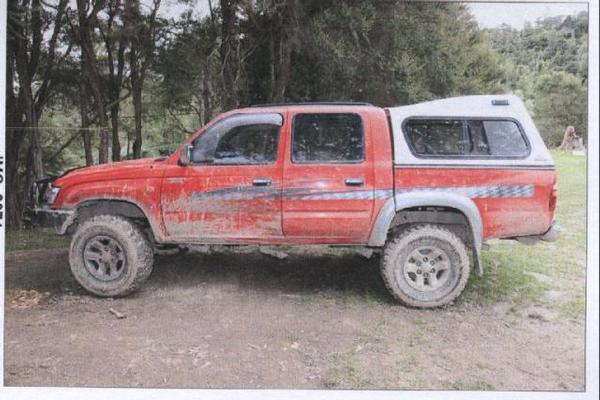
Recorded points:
(185, 156)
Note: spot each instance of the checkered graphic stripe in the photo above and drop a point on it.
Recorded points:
(303, 193)
(480, 192)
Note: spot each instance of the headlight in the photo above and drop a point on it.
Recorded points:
(51, 194)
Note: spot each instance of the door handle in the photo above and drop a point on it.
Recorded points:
(354, 181)
(261, 182)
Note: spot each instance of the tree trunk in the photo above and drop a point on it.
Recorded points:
(227, 53)
(137, 114)
(14, 203)
(288, 38)
(136, 92)
(206, 92)
(23, 67)
(14, 140)
(88, 54)
(140, 55)
(114, 123)
(87, 140)
(100, 110)
(114, 35)
(85, 122)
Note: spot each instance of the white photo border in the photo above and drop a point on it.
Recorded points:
(592, 310)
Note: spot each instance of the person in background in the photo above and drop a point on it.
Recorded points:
(569, 139)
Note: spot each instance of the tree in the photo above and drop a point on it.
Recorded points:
(33, 59)
(142, 34)
(546, 64)
(562, 104)
(115, 46)
(188, 69)
(83, 30)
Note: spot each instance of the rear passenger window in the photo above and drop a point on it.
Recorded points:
(465, 138)
(327, 138)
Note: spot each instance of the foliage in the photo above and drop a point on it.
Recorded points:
(561, 101)
(546, 63)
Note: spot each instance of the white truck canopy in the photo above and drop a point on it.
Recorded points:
(492, 106)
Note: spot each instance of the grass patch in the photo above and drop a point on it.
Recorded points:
(34, 239)
(573, 308)
(504, 279)
(345, 373)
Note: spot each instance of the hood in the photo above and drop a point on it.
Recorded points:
(130, 169)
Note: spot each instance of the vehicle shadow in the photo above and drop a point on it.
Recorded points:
(298, 274)
(340, 275)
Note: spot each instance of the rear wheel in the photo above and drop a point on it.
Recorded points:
(425, 266)
(109, 256)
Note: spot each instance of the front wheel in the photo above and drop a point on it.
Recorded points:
(109, 256)
(425, 266)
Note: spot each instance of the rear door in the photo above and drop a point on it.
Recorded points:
(230, 190)
(328, 179)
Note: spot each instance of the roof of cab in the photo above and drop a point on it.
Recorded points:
(312, 107)
(314, 103)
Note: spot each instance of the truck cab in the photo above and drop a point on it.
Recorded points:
(280, 174)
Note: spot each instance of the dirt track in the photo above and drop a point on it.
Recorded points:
(252, 321)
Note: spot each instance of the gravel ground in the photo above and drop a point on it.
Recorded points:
(250, 320)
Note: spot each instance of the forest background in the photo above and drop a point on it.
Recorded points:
(94, 82)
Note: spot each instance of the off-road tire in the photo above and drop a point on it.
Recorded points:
(396, 256)
(138, 255)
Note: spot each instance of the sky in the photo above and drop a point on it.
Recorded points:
(488, 15)
(491, 15)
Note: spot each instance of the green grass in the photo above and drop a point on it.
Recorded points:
(345, 373)
(34, 239)
(573, 308)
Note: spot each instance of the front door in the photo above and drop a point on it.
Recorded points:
(328, 179)
(229, 191)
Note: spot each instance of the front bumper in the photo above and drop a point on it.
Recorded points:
(45, 217)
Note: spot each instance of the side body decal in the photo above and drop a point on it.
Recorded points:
(303, 193)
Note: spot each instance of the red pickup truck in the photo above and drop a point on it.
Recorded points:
(425, 183)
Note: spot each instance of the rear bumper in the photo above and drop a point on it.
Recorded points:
(45, 217)
(551, 235)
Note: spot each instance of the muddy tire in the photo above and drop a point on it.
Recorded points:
(425, 266)
(110, 256)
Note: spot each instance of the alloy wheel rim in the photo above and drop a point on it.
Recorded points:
(104, 258)
(427, 268)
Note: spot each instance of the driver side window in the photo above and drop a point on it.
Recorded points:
(241, 139)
